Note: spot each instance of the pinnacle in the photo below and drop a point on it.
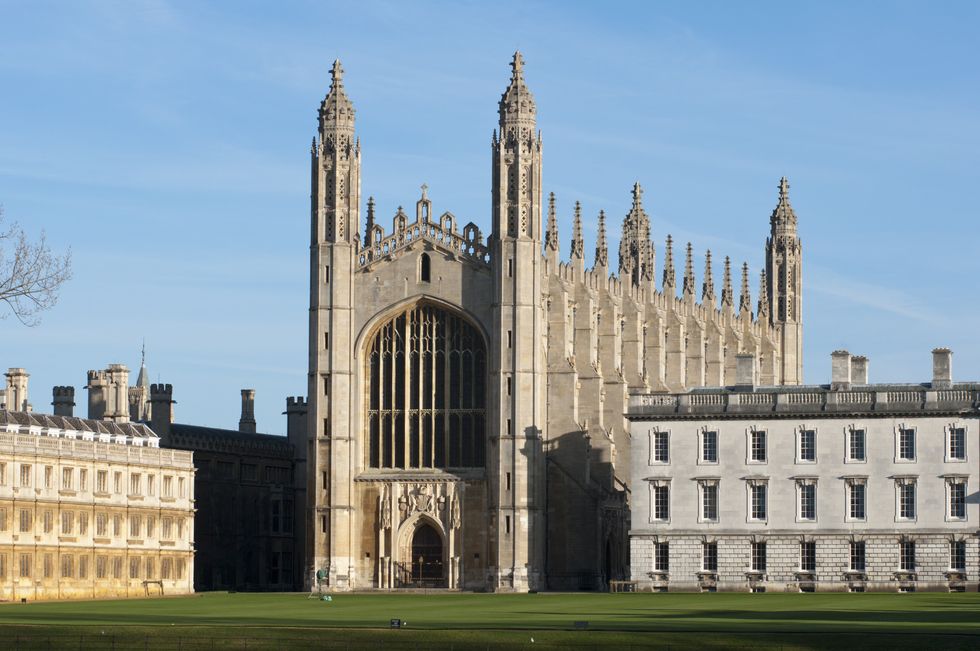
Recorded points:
(637, 195)
(337, 74)
(783, 188)
(517, 64)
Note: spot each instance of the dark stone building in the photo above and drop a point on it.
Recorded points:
(250, 489)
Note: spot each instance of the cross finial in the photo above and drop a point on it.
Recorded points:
(637, 193)
(425, 189)
(783, 188)
(337, 73)
(518, 65)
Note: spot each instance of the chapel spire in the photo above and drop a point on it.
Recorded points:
(784, 278)
(336, 110)
(635, 249)
(745, 300)
(578, 244)
(689, 272)
(601, 248)
(670, 277)
(708, 286)
(727, 296)
(763, 314)
(551, 235)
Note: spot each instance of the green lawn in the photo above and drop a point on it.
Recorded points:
(654, 621)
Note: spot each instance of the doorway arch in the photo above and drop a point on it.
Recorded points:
(422, 555)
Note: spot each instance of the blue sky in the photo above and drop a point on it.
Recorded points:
(167, 144)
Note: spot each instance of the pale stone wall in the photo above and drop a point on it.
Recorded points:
(880, 411)
(571, 341)
(53, 504)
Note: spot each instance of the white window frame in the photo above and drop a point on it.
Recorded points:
(849, 483)
(659, 565)
(901, 544)
(949, 442)
(801, 483)
(656, 484)
(655, 436)
(749, 485)
(799, 444)
(753, 566)
(704, 483)
(901, 482)
(898, 444)
(749, 436)
(956, 479)
(704, 554)
(966, 555)
(864, 556)
(848, 437)
(814, 568)
(701, 439)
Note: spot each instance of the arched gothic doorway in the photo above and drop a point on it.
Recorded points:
(427, 386)
(427, 552)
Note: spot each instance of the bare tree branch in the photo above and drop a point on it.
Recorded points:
(30, 274)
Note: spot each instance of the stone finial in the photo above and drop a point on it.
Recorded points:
(370, 222)
(601, 249)
(516, 104)
(336, 74)
(708, 286)
(689, 271)
(635, 248)
(16, 393)
(578, 243)
(745, 300)
(942, 368)
(840, 370)
(670, 276)
(783, 215)
(551, 235)
(727, 295)
(763, 311)
(336, 110)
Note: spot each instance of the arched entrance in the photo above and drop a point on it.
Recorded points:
(428, 569)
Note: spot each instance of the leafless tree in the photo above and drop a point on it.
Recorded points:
(30, 274)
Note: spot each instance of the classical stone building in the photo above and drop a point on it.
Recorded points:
(466, 395)
(250, 486)
(847, 486)
(89, 507)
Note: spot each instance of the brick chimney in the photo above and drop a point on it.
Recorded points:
(840, 370)
(63, 401)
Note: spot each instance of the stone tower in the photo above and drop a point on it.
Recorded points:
(335, 200)
(518, 369)
(784, 272)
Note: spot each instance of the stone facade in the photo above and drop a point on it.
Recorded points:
(250, 491)
(92, 508)
(836, 481)
(494, 374)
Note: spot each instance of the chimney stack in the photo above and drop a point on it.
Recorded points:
(247, 422)
(840, 370)
(859, 369)
(161, 409)
(63, 401)
(744, 370)
(942, 368)
(16, 395)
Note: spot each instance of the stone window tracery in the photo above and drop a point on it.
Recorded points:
(426, 392)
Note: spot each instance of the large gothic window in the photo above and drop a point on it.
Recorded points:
(427, 384)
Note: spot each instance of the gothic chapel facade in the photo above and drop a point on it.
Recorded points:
(467, 396)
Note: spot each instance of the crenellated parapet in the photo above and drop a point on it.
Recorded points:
(443, 232)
